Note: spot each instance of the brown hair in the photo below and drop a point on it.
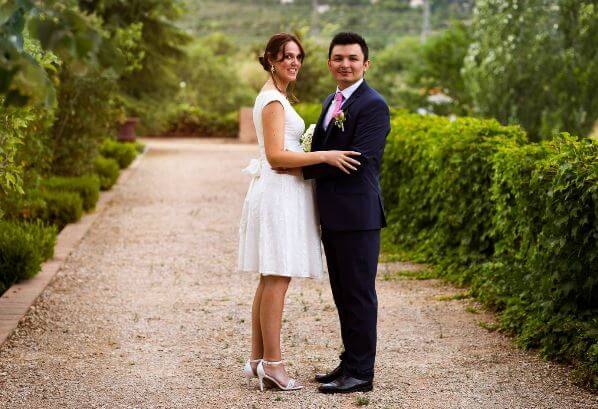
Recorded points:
(277, 44)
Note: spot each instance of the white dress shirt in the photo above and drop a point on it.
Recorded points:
(347, 92)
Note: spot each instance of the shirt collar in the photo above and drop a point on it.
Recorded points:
(347, 92)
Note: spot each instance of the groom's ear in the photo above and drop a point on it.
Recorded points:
(366, 65)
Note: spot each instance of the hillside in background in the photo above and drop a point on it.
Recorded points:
(380, 21)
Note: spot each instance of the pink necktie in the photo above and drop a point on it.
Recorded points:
(338, 101)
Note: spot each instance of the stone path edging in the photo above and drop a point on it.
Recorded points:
(16, 301)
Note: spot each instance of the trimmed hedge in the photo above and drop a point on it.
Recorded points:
(23, 247)
(193, 121)
(107, 170)
(62, 207)
(516, 221)
(123, 152)
(88, 187)
(310, 112)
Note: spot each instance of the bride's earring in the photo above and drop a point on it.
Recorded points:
(272, 70)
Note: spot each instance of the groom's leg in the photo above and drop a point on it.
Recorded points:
(357, 275)
(332, 256)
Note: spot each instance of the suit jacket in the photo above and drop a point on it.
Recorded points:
(352, 202)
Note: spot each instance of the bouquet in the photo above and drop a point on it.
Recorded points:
(306, 138)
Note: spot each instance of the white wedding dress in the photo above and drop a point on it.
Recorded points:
(279, 232)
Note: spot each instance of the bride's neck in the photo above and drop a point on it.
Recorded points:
(279, 85)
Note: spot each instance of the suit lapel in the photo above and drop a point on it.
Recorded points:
(320, 124)
(356, 94)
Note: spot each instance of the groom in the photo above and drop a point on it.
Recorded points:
(354, 118)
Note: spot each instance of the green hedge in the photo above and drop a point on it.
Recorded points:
(23, 247)
(123, 152)
(516, 221)
(107, 170)
(88, 187)
(193, 121)
(310, 112)
(62, 208)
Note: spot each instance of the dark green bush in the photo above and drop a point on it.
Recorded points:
(107, 170)
(88, 187)
(62, 207)
(310, 112)
(23, 247)
(123, 152)
(27, 206)
(437, 179)
(516, 221)
(193, 121)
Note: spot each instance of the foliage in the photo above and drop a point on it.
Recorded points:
(535, 65)
(515, 220)
(107, 170)
(23, 247)
(87, 187)
(310, 112)
(87, 111)
(123, 153)
(188, 120)
(210, 76)
(62, 207)
(380, 21)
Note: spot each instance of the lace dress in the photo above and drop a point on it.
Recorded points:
(279, 233)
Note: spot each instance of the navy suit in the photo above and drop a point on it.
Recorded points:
(351, 215)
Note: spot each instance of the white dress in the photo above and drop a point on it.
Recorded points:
(279, 233)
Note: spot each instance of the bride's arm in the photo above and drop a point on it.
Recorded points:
(273, 125)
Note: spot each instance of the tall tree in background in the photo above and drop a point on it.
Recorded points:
(535, 64)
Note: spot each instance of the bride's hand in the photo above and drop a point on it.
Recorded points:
(342, 160)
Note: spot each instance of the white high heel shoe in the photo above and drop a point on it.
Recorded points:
(261, 374)
(248, 371)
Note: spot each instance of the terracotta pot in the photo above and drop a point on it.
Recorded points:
(127, 130)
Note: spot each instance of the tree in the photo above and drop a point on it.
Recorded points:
(535, 65)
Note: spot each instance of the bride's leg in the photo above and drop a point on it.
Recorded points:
(271, 308)
(257, 342)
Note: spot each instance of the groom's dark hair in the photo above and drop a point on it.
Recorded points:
(349, 38)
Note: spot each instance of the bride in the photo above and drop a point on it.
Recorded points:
(279, 234)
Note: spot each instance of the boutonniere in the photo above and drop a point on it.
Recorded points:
(339, 120)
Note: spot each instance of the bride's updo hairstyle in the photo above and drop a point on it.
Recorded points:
(276, 45)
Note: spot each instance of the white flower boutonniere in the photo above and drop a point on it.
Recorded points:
(307, 137)
(339, 120)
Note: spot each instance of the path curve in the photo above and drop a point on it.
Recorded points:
(148, 312)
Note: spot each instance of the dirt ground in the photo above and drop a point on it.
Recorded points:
(149, 312)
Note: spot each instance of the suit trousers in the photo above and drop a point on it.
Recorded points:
(352, 258)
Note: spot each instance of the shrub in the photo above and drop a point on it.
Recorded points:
(23, 247)
(309, 112)
(27, 206)
(123, 152)
(516, 221)
(190, 121)
(107, 170)
(88, 187)
(62, 207)
(437, 179)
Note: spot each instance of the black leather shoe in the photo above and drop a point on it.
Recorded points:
(331, 376)
(346, 384)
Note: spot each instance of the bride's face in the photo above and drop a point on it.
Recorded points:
(287, 66)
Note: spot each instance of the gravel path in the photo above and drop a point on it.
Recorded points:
(148, 312)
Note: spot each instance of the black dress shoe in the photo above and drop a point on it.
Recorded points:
(346, 384)
(331, 376)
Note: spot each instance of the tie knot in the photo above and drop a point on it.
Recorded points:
(339, 96)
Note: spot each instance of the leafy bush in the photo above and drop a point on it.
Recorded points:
(188, 121)
(516, 221)
(23, 247)
(107, 170)
(27, 206)
(437, 179)
(310, 112)
(87, 187)
(62, 207)
(123, 152)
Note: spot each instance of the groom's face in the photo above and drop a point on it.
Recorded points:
(347, 64)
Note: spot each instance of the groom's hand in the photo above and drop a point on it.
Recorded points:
(288, 171)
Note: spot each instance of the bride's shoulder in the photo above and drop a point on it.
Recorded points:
(266, 96)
